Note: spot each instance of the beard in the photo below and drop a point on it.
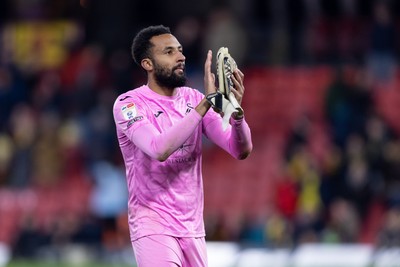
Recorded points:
(168, 78)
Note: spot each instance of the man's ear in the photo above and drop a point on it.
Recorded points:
(147, 64)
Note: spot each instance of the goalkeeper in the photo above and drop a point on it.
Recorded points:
(159, 128)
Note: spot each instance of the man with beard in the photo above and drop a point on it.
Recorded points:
(159, 127)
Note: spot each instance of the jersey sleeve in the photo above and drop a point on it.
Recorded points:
(131, 120)
(236, 139)
(129, 115)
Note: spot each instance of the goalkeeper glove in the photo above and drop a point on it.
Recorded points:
(223, 100)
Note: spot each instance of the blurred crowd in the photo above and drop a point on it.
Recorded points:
(336, 174)
(62, 64)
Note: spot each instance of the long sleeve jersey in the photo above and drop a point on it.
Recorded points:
(166, 193)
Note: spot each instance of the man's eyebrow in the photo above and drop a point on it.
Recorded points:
(172, 47)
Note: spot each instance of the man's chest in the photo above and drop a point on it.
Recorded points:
(164, 114)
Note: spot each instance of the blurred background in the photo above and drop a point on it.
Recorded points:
(321, 188)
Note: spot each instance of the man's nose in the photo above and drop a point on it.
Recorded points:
(181, 56)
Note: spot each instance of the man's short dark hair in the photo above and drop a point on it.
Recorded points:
(141, 43)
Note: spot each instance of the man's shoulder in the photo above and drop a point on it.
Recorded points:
(130, 93)
(186, 90)
(127, 97)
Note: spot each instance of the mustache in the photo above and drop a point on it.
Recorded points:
(179, 66)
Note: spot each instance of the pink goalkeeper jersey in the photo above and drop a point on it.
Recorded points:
(166, 197)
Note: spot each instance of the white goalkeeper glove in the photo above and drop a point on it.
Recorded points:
(223, 100)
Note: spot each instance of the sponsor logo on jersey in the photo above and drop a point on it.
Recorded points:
(181, 160)
(132, 121)
(125, 97)
(158, 113)
(189, 108)
(129, 111)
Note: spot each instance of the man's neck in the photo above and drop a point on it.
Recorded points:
(161, 90)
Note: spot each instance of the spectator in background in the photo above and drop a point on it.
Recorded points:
(348, 103)
(46, 160)
(6, 156)
(24, 130)
(391, 171)
(331, 176)
(389, 235)
(377, 135)
(223, 29)
(82, 76)
(308, 220)
(190, 32)
(343, 224)
(337, 107)
(357, 185)
(13, 91)
(278, 231)
(381, 54)
(287, 194)
(46, 94)
(121, 71)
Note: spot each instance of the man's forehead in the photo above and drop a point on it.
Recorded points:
(165, 40)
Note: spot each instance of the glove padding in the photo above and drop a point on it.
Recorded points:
(223, 100)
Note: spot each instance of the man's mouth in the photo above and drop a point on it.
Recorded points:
(180, 68)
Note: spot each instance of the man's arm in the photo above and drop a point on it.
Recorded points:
(236, 140)
(161, 145)
(209, 85)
